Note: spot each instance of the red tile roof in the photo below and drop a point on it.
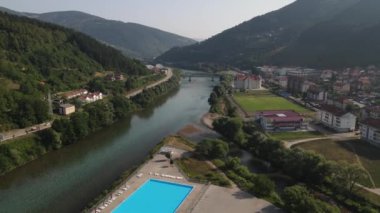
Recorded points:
(242, 77)
(372, 122)
(333, 110)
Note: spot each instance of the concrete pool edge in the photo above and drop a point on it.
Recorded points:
(150, 180)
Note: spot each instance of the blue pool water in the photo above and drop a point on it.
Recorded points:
(155, 196)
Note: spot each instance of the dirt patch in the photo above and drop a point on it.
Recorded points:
(189, 130)
(179, 143)
(209, 118)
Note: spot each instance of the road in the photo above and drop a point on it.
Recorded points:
(335, 137)
(15, 133)
(136, 92)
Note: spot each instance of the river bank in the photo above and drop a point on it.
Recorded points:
(67, 131)
(67, 179)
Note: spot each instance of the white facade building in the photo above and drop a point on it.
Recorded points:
(370, 131)
(336, 118)
(247, 82)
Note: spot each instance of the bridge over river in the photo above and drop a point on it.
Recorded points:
(190, 75)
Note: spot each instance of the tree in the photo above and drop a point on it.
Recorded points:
(231, 128)
(79, 121)
(262, 186)
(298, 199)
(212, 148)
(213, 99)
(346, 176)
(50, 138)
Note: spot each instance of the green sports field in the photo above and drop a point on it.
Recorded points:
(264, 100)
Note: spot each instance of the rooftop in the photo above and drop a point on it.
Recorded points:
(281, 115)
(372, 122)
(333, 110)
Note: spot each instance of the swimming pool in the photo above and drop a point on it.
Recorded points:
(155, 196)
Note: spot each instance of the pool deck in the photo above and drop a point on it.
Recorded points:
(202, 197)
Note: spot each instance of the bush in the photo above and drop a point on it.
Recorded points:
(262, 186)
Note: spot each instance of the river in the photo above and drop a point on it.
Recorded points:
(67, 179)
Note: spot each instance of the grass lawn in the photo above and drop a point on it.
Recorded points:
(200, 170)
(368, 155)
(264, 100)
(290, 136)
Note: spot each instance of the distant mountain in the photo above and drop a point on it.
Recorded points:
(319, 33)
(134, 40)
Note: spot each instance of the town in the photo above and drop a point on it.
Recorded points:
(343, 101)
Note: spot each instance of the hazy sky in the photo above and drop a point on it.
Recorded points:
(191, 18)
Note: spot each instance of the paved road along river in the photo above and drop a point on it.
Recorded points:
(67, 179)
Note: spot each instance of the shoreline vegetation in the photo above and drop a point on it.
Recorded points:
(66, 131)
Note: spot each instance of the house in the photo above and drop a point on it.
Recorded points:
(281, 81)
(370, 131)
(66, 109)
(340, 87)
(115, 77)
(91, 97)
(336, 118)
(247, 82)
(370, 112)
(110, 77)
(298, 80)
(364, 83)
(75, 93)
(119, 77)
(327, 75)
(280, 120)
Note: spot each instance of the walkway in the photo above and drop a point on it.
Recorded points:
(15, 133)
(335, 137)
(138, 91)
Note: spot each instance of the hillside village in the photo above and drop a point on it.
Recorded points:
(66, 103)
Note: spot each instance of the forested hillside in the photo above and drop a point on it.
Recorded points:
(351, 38)
(37, 57)
(317, 33)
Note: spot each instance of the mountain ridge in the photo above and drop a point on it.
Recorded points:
(269, 39)
(133, 39)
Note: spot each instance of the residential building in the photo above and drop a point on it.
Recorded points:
(110, 77)
(327, 75)
(281, 81)
(75, 93)
(119, 77)
(370, 131)
(371, 112)
(297, 80)
(336, 118)
(66, 109)
(274, 120)
(315, 93)
(91, 97)
(341, 88)
(247, 82)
